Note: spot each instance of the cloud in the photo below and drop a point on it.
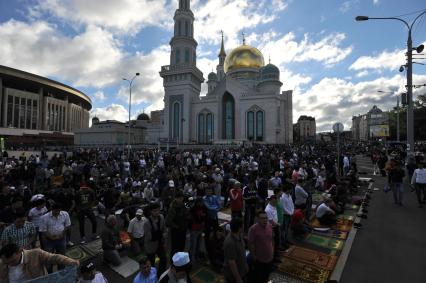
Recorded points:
(285, 48)
(362, 74)
(347, 5)
(387, 60)
(121, 16)
(376, 2)
(99, 95)
(86, 59)
(112, 112)
(335, 100)
(232, 16)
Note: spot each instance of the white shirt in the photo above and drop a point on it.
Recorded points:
(288, 205)
(16, 273)
(55, 225)
(300, 194)
(322, 210)
(271, 212)
(345, 161)
(36, 214)
(126, 166)
(419, 176)
(136, 227)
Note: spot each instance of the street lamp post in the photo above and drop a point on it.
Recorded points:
(409, 86)
(130, 105)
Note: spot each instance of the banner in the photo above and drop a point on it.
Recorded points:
(67, 275)
(379, 131)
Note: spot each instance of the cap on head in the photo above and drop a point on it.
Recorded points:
(171, 184)
(180, 259)
(139, 212)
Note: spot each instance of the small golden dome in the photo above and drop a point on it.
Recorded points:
(244, 56)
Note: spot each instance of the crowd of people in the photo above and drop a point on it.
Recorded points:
(152, 200)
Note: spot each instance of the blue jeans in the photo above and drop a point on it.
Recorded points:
(398, 191)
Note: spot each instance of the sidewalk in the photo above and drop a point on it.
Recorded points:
(391, 247)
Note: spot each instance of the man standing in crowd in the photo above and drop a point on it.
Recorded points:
(20, 232)
(147, 273)
(54, 226)
(154, 229)
(177, 222)
(19, 265)
(237, 202)
(250, 202)
(136, 232)
(235, 264)
(288, 210)
(85, 199)
(418, 181)
(261, 245)
(212, 204)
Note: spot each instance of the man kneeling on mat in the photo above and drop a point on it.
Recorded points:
(325, 215)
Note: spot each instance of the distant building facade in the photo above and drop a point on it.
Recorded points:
(35, 110)
(305, 129)
(370, 126)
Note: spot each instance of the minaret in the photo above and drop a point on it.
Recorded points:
(222, 56)
(181, 79)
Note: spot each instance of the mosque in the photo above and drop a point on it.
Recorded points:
(244, 101)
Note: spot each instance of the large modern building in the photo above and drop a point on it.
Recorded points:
(305, 129)
(39, 111)
(244, 101)
(370, 126)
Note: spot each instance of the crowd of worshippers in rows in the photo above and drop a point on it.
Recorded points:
(158, 198)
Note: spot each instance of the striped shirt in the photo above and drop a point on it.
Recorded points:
(21, 236)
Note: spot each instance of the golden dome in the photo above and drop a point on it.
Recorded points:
(244, 56)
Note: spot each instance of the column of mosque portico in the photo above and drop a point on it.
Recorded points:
(66, 129)
(41, 110)
(3, 105)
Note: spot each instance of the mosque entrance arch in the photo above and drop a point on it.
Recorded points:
(228, 116)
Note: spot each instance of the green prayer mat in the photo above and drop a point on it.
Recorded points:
(206, 275)
(317, 198)
(341, 235)
(345, 217)
(350, 212)
(78, 253)
(94, 247)
(351, 207)
(325, 242)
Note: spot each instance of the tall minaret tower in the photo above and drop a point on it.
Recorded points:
(181, 79)
(222, 55)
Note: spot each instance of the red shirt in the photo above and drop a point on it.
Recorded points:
(297, 217)
(262, 238)
(236, 196)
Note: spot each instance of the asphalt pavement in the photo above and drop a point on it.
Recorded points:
(391, 246)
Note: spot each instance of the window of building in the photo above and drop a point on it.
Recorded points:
(176, 120)
(250, 125)
(228, 116)
(16, 113)
(187, 55)
(28, 116)
(210, 127)
(9, 111)
(34, 115)
(259, 125)
(22, 113)
(201, 128)
(177, 56)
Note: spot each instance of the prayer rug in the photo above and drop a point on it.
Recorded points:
(276, 277)
(312, 257)
(127, 268)
(352, 207)
(78, 253)
(303, 271)
(206, 275)
(341, 225)
(325, 242)
(341, 235)
(345, 217)
(317, 198)
(94, 247)
(66, 275)
(350, 212)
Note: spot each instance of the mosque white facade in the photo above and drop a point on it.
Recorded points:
(244, 101)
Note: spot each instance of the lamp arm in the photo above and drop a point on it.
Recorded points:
(393, 18)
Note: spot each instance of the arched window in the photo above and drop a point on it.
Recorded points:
(176, 120)
(177, 56)
(209, 126)
(259, 125)
(187, 55)
(186, 28)
(201, 128)
(250, 125)
(228, 116)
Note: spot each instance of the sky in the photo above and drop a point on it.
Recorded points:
(334, 65)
